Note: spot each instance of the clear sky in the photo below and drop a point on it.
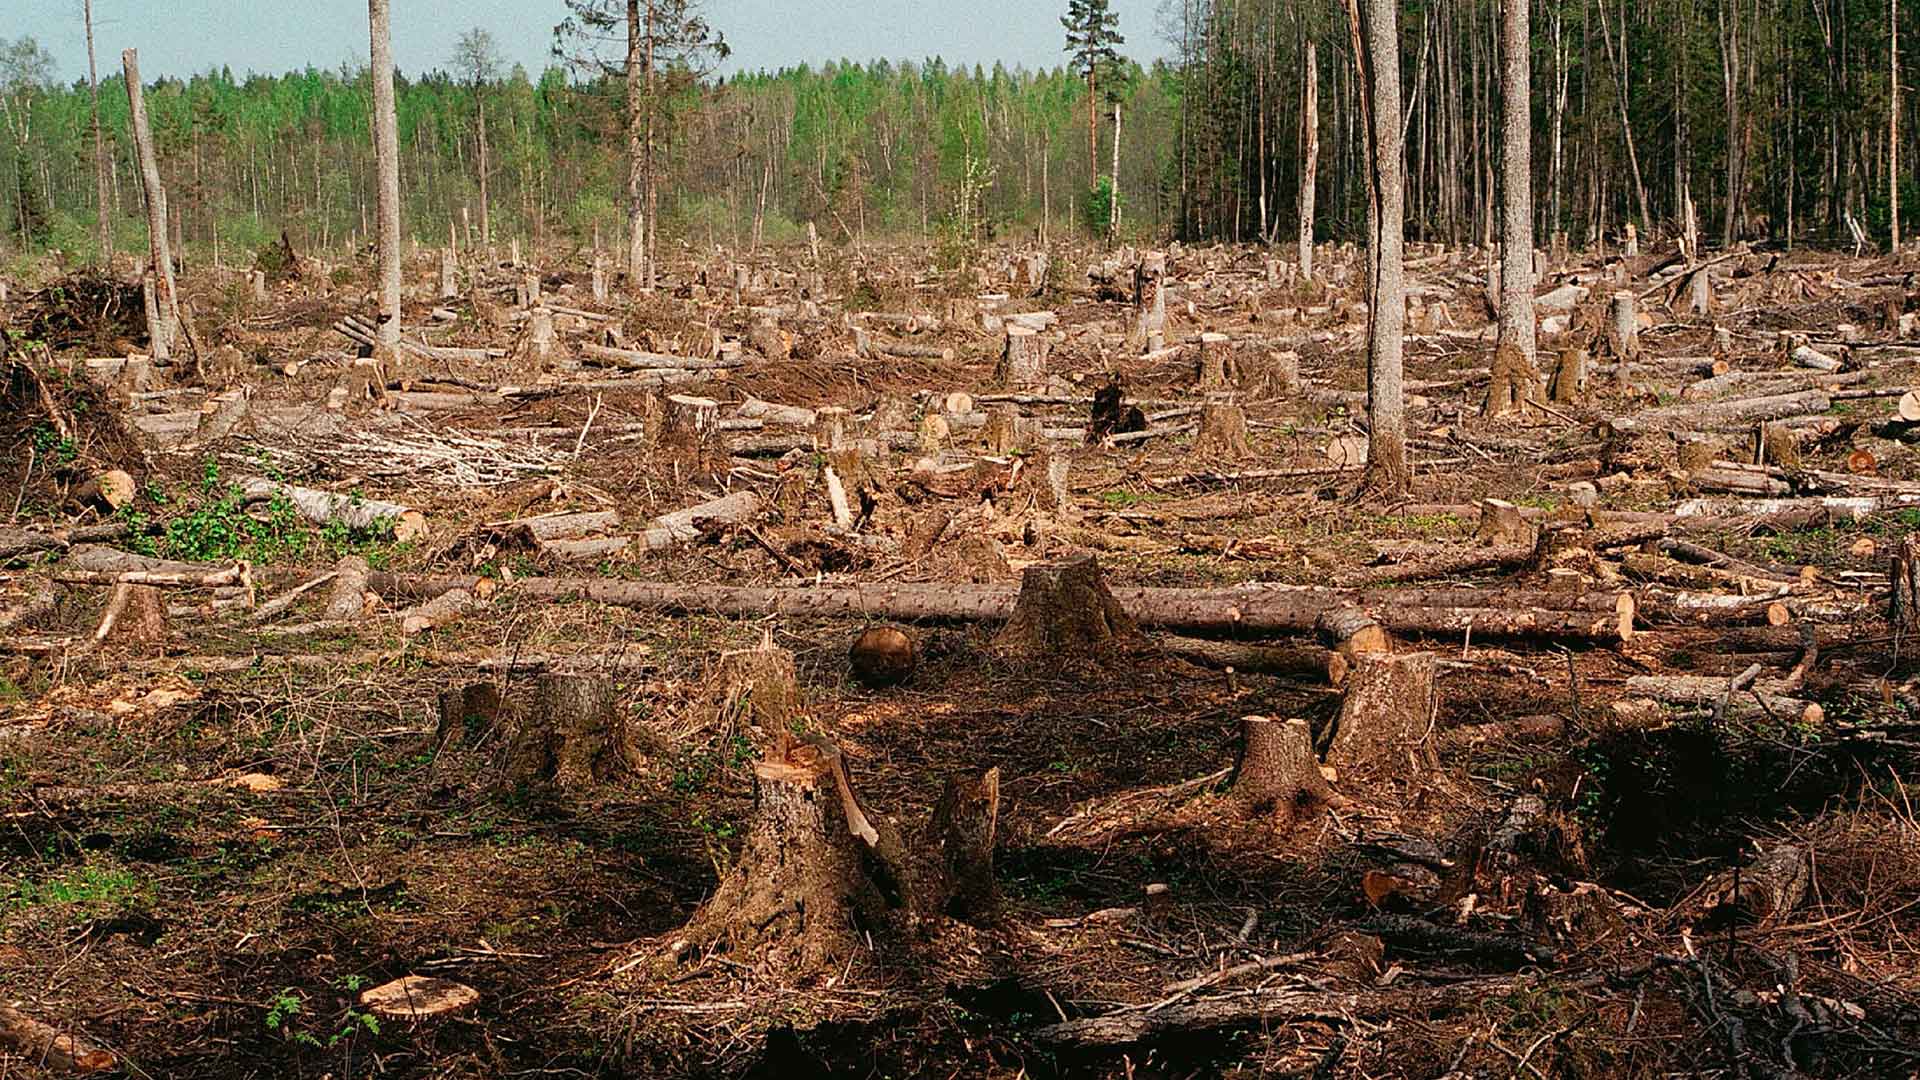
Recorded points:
(182, 37)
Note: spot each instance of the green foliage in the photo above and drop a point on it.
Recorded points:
(93, 887)
(1096, 209)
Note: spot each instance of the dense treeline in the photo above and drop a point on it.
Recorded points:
(857, 149)
(1767, 116)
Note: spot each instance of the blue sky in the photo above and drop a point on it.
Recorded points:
(182, 37)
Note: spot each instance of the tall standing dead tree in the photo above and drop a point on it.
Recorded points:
(161, 313)
(477, 56)
(386, 156)
(103, 218)
(1309, 156)
(1516, 194)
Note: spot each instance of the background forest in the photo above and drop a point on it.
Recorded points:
(1772, 117)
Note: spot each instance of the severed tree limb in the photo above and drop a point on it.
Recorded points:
(44, 1045)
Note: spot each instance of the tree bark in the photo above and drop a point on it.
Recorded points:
(386, 156)
(1516, 193)
(1065, 609)
(570, 735)
(1310, 156)
(636, 154)
(1388, 712)
(1387, 312)
(1278, 774)
(46, 1046)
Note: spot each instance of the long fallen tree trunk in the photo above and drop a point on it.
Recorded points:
(352, 511)
(636, 360)
(1601, 616)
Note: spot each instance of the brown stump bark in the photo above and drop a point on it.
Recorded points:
(1514, 385)
(570, 734)
(1064, 609)
(1570, 378)
(809, 889)
(135, 618)
(1387, 714)
(466, 714)
(1223, 433)
(1023, 360)
(1905, 610)
(1218, 370)
(1278, 774)
(689, 420)
(1044, 477)
(757, 687)
(1008, 432)
(769, 340)
(959, 842)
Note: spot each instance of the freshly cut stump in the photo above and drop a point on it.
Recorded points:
(1501, 525)
(1278, 774)
(802, 894)
(1065, 609)
(1386, 716)
(570, 734)
(1023, 361)
(1223, 433)
(882, 656)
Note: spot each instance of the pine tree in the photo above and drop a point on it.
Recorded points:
(1092, 33)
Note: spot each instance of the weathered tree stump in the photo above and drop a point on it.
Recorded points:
(802, 892)
(1570, 378)
(540, 334)
(1023, 359)
(958, 841)
(1623, 333)
(757, 687)
(1277, 774)
(933, 434)
(769, 340)
(449, 279)
(689, 421)
(1218, 368)
(1514, 384)
(1065, 609)
(135, 618)
(467, 713)
(1008, 432)
(570, 734)
(1223, 432)
(1387, 714)
(1501, 525)
(1700, 293)
(1905, 610)
(1044, 476)
(1149, 303)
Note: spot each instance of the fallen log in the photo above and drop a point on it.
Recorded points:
(1738, 412)
(1602, 616)
(636, 360)
(50, 1048)
(352, 511)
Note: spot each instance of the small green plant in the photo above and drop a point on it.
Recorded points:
(93, 887)
(281, 1008)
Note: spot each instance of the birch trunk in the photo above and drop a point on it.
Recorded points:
(1310, 152)
(103, 224)
(386, 155)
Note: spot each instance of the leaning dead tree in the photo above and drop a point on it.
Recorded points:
(164, 307)
(386, 157)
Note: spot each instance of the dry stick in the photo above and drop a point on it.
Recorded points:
(285, 600)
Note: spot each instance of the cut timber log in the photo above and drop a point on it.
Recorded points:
(347, 600)
(352, 511)
(1739, 412)
(1549, 614)
(636, 360)
(790, 415)
(684, 526)
(1764, 698)
(45, 1046)
(435, 613)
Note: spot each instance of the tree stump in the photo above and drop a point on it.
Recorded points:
(1044, 476)
(1700, 293)
(1570, 378)
(135, 618)
(1623, 333)
(1905, 610)
(1064, 609)
(1149, 303)
(959, 841)
(1514, 384)
(769, 340)
(1218, 369)
(689, 421)
(1278, 775)
(570, 734)
(1008, 432)
(1023, 359)
(832, 427)
(1387, 713)
(257, 285)
(802, 893)
(758, 688)
(467, 713)
(540, 334)
(1501, 525)
(449, 279)
(933, 434)
(1223, 433)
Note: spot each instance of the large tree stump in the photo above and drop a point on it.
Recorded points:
(1501, 525)
(467, 713)
(1149, 303)
(135, 618)
(1064, 609)
(1387, 713)
(1008, 432)
(1277, 774)
(570, 734)
(1570, 378)
(1223, 432)
(803, 891)
(1023, 360)
(689, 420)
(958, 841)
(769, 340)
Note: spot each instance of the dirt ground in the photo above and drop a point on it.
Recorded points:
(212, 844)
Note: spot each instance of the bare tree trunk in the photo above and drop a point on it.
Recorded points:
(653, 182)
(386, 157)
(486, 218)
(1619, 66)
(103, 225)
(1113, 203)
(636, 156)
(1893, 122)
(1093, 132)
(165, 300)
(1516, 200)
(1387, 312)
(1310, 153)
